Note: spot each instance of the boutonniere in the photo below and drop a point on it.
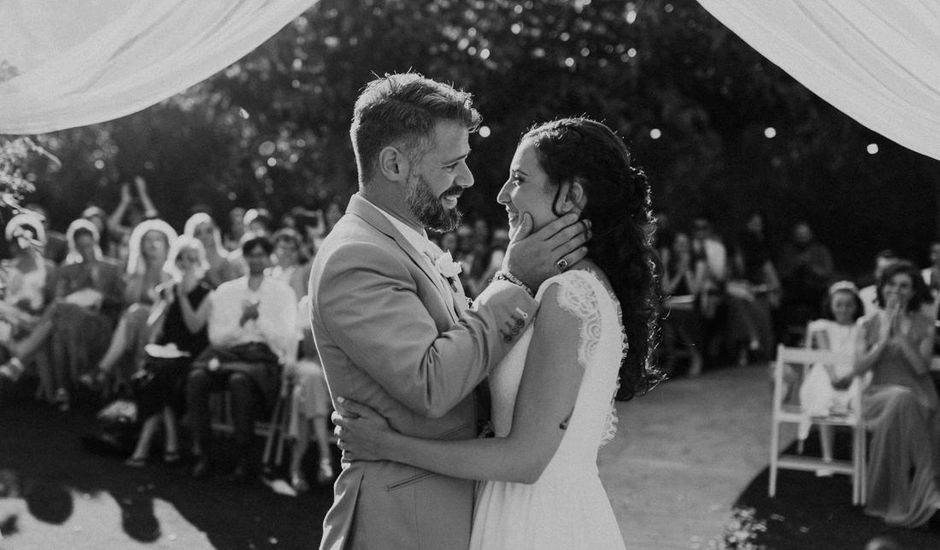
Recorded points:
(446, 265)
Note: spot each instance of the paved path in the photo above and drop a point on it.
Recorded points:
(683, 454)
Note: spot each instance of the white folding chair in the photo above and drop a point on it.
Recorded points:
(789, 413)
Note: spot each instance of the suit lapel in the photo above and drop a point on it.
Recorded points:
(363, 209)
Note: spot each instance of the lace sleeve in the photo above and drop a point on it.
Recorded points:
(579, 297)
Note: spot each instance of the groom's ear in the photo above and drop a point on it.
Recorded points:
(570, 197)
(393, 164)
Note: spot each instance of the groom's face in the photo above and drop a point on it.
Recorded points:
(437, 179)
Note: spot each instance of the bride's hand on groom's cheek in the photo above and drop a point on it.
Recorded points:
(534, 257)
(360, 430)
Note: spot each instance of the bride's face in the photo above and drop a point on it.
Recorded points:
(528, 189)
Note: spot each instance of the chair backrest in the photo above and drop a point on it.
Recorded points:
(804, 358)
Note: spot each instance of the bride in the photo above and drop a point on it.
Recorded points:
(552, 396)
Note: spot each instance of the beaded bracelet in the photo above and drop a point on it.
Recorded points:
(507, 276)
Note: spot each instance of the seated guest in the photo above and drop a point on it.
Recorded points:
(335, 208)
(869, 293)
(257, 221)
(931, 275)
(836, 331)
(252, 330)
(179, 328)
(805, 272)
(56, 247)
(310, 406)
(236, 222)
(130, 212)
(108, 242)
(895, 344)
(291, 266)
(754, 293)
(682, 282)
(708, 246)
(201, 226)
(28, 279)
(88, 299)
(149, 244)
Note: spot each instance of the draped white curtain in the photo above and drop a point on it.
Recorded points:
(876, 61)
(67, 63)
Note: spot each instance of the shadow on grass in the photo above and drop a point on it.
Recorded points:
(810, 512)
(43, 462)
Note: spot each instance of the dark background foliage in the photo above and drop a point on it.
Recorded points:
(272, 129)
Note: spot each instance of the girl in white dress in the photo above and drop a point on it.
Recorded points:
(837, 331)
(552, 396)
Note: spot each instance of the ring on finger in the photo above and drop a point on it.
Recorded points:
(562, 265)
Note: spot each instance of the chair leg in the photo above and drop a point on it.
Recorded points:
(273, 429)
(774, 455)
(285, 429)
(856, 493)
(863, 466)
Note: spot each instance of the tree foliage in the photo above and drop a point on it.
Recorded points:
(691, 99)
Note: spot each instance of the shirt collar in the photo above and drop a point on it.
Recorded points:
(419, 240)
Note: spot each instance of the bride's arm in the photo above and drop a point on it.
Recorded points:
(545, 401)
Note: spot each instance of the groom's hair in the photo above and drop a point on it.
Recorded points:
(402, 109)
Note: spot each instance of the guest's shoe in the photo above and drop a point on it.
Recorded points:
(325, 472)
(298, 483)
(136, 462)
(12, 369)
(62, 399)
(201, 466)
(172, 457)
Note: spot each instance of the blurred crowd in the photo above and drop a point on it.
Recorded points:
(732, 299)
(735, 299)
(125, 307)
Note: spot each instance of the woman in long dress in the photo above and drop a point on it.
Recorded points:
(552, 396)
(900, 404)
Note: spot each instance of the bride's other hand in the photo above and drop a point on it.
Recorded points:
(362, 431)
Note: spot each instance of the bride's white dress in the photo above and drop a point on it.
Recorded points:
(567, 508)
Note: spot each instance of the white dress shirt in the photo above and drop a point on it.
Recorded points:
(417, 239)
(277, 316)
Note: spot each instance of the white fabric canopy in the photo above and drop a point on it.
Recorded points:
(877, 61)
(67, 63)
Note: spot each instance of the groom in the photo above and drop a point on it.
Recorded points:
(390, 318)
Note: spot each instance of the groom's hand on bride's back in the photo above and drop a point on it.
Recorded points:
(534, 257)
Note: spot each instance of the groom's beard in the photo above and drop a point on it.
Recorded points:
(428, 209)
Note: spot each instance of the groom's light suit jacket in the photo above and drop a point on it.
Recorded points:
(388, 337)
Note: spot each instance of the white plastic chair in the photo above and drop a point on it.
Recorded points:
(788, 413)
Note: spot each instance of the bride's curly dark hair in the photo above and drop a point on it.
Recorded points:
(618, 205)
